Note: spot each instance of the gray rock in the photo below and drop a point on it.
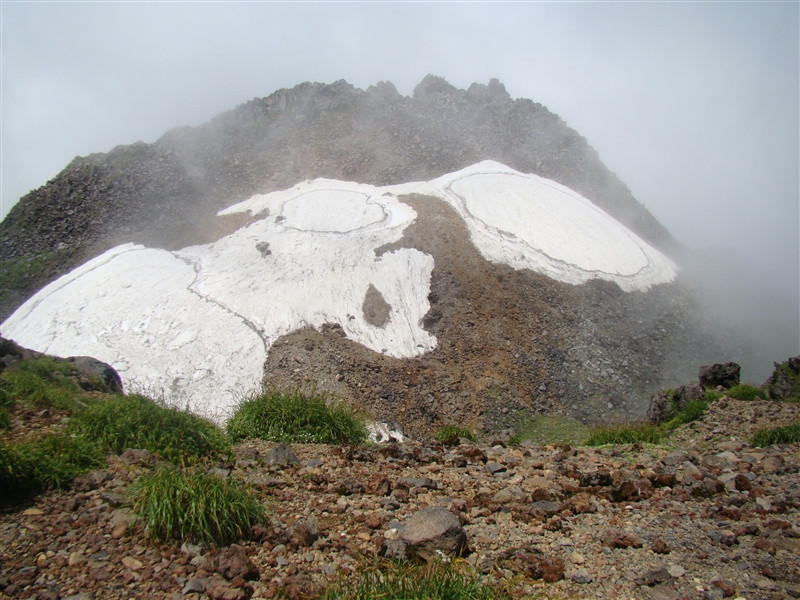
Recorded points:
(94, 375)
(432, 530)
(281, 454)
(194, 586)
(547, 507)
(726, 375)
(687, 393)
(582, 576)
(493, 468)
(660, 409)
(305, 531)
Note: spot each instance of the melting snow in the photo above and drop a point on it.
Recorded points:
(194, 325)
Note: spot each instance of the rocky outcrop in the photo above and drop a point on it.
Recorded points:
(784, 383)
(726, 375)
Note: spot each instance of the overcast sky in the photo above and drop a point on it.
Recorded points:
(693, 105)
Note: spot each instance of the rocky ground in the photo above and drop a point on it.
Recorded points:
(703, 516)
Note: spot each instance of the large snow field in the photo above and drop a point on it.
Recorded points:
(529, 222)
(194, 326)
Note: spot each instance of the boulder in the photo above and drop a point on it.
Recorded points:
(785, 380)
(660, 409)
(726, 375)
(434, 530)
(687, 393)
(94, 375)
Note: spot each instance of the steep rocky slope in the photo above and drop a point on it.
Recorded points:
(511, 343)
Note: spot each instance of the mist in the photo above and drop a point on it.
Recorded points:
(694, 106)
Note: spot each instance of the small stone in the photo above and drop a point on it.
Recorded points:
(582, 576)
(660, 546)
(676, 571)
(766, 584)
(728, 589)
(30, 512)
(132, 563)
(494, 468)
(281, 454)
(577, 558)
(194, 586)
(75, 559)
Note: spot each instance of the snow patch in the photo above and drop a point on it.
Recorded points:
(528, 222)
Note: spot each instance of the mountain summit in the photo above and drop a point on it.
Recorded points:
(456, 256)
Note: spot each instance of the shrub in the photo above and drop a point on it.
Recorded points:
(626, 434)
(123, 422)
(745, 391)
(450, 434)
(195, 507)
(777, 435)
(405, 581)
(294, 416)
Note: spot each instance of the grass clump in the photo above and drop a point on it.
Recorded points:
(196, 507)
(626, 433)
(295, 417)
(692, 410)
(553, 429)
(450, 434)
(789, 434)
(405, 581)
(123, 422)
(41, 382)
(745, 391)
(29, 467)
(712, 396)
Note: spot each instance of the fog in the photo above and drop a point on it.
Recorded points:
(693, 105)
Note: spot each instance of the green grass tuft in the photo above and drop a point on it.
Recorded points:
(745, 391)
(53, 461)
(450, 434)
(553, 429)
(405, 581)
(123, 422)
(17, 478)
(195, 507)
(41, 382)
(777, 435)
(693, 410)
(629, 433)
(712, 396)
(295, 417)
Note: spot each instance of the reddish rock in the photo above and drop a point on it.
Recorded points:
(233, 562)
(614, 538)
(550, 569)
